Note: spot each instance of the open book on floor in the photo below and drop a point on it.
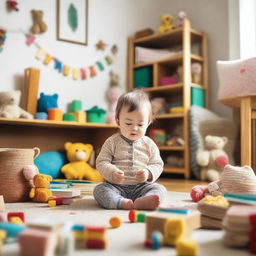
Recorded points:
(65, 192)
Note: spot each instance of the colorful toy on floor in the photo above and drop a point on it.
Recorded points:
(20, 215)
(115, 222)
(166, 23)
(39, 25)
(41, 193)
(213, 158)
(78, 155)
(187, 247)
(9, 105)
(95, 237)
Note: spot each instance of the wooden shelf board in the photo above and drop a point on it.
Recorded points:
(164, 88)
(49, 123)
(169, 115)
(197, 86)
(196, 57)
(171, 148)
(168, 169)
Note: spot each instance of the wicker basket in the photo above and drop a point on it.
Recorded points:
(13, 186)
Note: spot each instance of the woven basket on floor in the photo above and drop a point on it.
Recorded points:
(13, 186)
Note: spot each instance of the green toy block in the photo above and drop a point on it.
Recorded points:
(141, 217)
(96, 115)
(69, 117)
(197, 97)
(76, 105)
(143, 77)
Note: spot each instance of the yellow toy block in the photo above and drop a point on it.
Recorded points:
(95, 235)
(186, 247)
(80, 239)
(80, 116)
(52, 203)
(2, 238)
(174, 229)
(16, 220)
(184, 223)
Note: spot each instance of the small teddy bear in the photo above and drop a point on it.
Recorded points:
(112, 94)
(9, 105)
(167, 23)
(213, 159)
(39, 26)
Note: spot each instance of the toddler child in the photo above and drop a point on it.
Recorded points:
(129, 161)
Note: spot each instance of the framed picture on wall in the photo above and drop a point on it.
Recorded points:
(72, 21)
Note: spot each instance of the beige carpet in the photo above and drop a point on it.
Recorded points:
(126, 240)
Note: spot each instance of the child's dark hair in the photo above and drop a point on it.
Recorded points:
(133, 100)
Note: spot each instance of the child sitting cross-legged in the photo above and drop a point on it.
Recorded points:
(129, 161)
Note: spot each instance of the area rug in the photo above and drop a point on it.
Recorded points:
(125, 240)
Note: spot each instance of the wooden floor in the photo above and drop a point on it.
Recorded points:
(179, 185)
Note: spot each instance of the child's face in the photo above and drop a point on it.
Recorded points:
(133, 125)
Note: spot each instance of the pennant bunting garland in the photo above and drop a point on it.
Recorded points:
(82, 73)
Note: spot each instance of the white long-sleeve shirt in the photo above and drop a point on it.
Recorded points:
(121, 154)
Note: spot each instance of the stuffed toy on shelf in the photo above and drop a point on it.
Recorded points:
(78, 168)
(9, 105)
(213, 158)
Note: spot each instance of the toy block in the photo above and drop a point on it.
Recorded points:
(55, 114)
(46, 224)
(37, 242)
(80, 116)
(16, 220)
(16, 214)
(66, 242)
(2, 239)
(157, 240)
(58, 200)
(76, 105)
(186, 247)
(141, 217)
(41, 116)
(96, 244)
(79, 238)
(2, 204)
(69, 117)
(115, 222)
(132, 216)
(2, 217)
(52, 203)
(160, 221)
(77, 227)
(12, 230)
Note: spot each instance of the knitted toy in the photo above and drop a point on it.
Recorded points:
(167, 23)
(233, 179)
(78, 154)
(113, 93)
(39, 182)
(213, 158)
(39, 26)
(9, 105)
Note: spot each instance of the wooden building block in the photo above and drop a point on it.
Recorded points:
(2, 205)
(161, 221)
(55, 114)
(32, 76)
(37, 242)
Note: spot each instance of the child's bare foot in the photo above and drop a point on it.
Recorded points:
(147, 202)
(127, 204)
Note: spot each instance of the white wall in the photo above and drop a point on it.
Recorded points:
(112, 21)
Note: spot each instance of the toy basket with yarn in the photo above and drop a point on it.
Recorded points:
(13, 185)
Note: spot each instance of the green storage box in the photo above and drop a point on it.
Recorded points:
(96, 115)
(197, 97)
(143, 77)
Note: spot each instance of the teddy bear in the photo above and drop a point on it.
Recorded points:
(213, 159)
(38, 26)
(9, 105)
(167, 23)
(158, 105)
(46, 102)
(112, 94)
(78, 155)
(40, 192)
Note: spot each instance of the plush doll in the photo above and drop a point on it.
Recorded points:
(213, 159)
(46, 102)
(233, 179)
(39, 26)
(167, 23)
(78, 155)
(112, 94)
(9, 105)
(158, 105)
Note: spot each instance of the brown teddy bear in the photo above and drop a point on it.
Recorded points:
(39, 26)
(167, 23)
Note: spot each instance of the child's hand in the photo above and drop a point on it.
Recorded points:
(142, 175)
(118, 177)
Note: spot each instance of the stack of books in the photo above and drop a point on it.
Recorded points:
(85, 187)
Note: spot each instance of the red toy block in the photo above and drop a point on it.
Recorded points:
(252, 219)
(96, 244)
(95, 229)
(253, 247)
(132, 216)
(21, 215)
(58, 200)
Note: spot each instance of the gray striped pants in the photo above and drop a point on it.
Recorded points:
(110, 195)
